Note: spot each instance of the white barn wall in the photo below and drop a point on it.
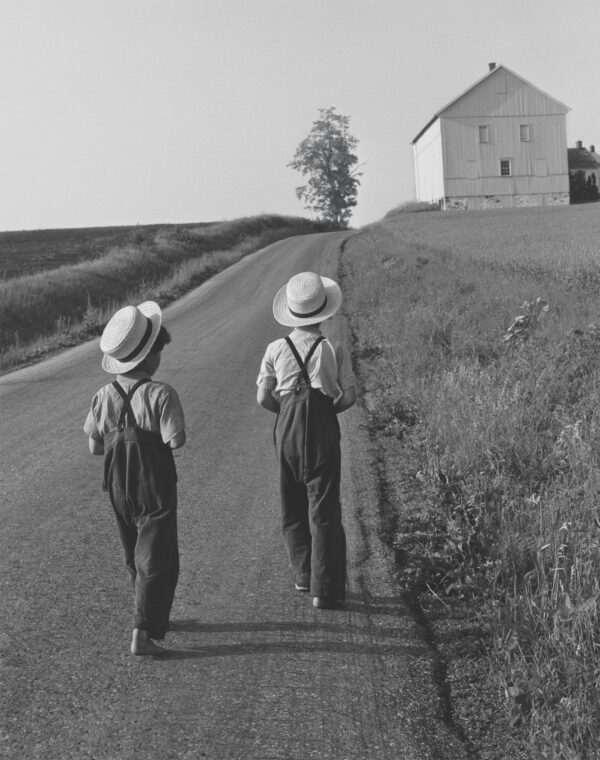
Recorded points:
(538, 166)
(427, 155)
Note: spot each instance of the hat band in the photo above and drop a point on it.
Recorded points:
(314, 313)
(140, 345)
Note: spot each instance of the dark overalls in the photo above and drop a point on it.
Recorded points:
(141, 480)
(307, 437)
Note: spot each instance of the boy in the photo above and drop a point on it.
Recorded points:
(136, 422)
(307, 380)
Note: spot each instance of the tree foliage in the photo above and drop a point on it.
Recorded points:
(582, 189)
(327, 156)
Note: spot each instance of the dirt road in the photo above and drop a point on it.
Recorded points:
(255, 673)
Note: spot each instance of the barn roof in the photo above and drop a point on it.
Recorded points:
(490, 73)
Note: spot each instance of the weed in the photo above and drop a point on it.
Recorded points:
(524, 325)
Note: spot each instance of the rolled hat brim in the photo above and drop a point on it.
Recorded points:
(282, 313)
(113, 366)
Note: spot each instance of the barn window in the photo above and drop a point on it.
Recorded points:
(505, 170)
(484, 133)
(524, 132)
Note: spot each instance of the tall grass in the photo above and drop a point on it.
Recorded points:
(62, 306)
(504, 427)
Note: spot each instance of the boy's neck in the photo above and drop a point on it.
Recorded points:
(135, 374)
(308, 328)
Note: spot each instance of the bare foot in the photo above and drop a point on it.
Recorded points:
(141, 644)
(323, 602)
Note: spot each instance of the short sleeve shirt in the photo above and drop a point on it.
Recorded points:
(156, 407)
(329, 368)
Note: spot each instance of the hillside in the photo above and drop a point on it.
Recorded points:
(66, 283)
(476, 338)
(30, 251)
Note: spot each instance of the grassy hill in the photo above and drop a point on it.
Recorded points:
(30, 251)
(477, 338)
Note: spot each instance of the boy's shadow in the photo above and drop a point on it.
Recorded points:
(319, 636)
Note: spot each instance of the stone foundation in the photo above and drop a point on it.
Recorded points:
(526, 200)
(491, 201)
(505, 201)
(455, 204)
(557, 199)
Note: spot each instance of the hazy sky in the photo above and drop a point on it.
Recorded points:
(145, 111)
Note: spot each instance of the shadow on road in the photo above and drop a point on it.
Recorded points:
(337, 636)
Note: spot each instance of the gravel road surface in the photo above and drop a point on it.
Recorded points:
(254, 672)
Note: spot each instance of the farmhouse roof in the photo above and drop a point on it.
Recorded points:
(492, 70)
(582, 159)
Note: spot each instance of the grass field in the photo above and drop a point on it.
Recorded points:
(68, 282)
(477, 337)
(31, 251)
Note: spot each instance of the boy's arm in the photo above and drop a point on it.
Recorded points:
(96, 447)
(172, 418)
(267, 382)
(345, 400)
(90, 428)
(265, 398)
(345, 379)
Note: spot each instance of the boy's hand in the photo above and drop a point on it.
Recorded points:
(265, 398)
(346, 400)
(177, 441)
(96, 447)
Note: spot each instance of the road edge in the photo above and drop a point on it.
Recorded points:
(367, 510)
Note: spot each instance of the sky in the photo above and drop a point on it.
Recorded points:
(119, 112)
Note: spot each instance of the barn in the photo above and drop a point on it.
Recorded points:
(501, 143)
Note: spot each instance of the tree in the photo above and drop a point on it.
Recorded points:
(582, 189)
(328, 157)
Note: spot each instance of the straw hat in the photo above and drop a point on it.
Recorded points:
(129, 336)
(307, 299)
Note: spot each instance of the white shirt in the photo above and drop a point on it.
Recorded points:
(329, 368)
(155, 405)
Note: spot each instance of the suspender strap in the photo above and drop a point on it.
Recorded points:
(304, 364)
(127, 401)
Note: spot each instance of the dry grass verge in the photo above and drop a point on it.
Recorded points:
(60, 307)
(476, 343)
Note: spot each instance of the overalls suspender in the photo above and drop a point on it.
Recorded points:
(127, 410)
(303, 364)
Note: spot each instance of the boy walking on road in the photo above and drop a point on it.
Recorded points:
(307, 380)
(136, 422)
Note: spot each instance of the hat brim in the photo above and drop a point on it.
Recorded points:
(113, 366)
(283, 315)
